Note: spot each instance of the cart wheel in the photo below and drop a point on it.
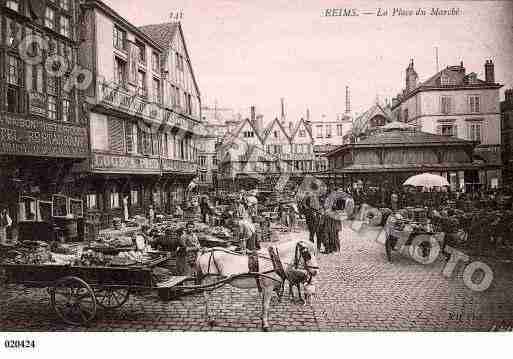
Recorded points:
(388, 248)
(73, 300)
(109, 298)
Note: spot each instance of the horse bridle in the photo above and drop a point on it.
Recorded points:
(302, 251)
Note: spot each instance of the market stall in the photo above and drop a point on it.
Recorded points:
(81, 276)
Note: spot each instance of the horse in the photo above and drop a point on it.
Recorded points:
(223, 265)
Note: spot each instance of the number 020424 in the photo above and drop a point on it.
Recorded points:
(20, 344)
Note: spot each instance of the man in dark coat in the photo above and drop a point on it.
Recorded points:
(311, 217)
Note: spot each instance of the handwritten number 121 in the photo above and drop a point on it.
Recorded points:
(176, 15)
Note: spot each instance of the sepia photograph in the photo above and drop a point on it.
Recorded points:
(255, 166)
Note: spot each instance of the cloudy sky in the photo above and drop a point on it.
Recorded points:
(255, 52)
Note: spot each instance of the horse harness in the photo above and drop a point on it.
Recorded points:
(301, 251)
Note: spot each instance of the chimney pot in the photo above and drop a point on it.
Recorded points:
(489, 71)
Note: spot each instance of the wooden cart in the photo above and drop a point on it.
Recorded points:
(76, 292)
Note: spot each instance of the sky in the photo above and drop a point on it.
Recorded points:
(251, 52)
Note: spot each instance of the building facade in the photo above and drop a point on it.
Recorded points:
(507, 137)
(218, 121)
(42, 131)
(144, 112)
(331, 132)
(388, 158)
(454, 103)
(250, 158)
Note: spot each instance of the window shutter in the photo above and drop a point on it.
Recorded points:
(116, 135)
(468, 131)
(455, 131)
(438, 129)
(128, 138)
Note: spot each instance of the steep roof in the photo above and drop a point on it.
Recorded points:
(237, 133)
(162, 34)
(294, 133)
(267, 131)
(456, 79)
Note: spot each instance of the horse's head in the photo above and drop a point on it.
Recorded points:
(305, 255)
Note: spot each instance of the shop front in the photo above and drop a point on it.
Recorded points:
(36, 158)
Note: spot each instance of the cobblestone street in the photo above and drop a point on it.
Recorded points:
(357, 289)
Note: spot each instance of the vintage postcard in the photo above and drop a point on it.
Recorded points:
(276, 166)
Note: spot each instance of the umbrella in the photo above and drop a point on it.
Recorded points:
(427, 180)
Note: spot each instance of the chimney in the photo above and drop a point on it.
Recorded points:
(282, 115)
(307, 115)
(253, 116)
(509, 95)
(489, 72)
(348, 101)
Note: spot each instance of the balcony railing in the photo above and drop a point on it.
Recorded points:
(136, 103)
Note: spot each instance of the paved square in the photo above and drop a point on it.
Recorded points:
(357, 289)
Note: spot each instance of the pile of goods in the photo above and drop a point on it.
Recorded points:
(113, 245)
(28, 252)
(165, 235)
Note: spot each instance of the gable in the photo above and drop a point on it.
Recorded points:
(302, 133)
(248, 133)
(178, 45)
(276, 134)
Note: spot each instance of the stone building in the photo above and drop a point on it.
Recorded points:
(456, 103)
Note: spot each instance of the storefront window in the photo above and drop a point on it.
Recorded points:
(114, 198)
(91, 200)
(134, 197)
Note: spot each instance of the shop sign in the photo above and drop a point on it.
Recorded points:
(114, 163)
(179, 166)
(37, 137)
